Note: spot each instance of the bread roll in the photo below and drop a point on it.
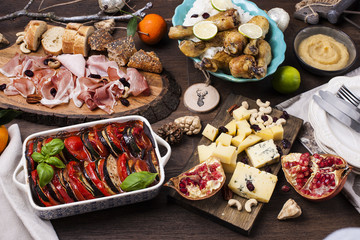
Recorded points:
(33, 32)
(52, 40)
(121, 50)
(81, 45)
(99, 39)
(69, 37)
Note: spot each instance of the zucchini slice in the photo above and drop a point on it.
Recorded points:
(85, 139)
(111, 172)
(104, 175)
(130, 142)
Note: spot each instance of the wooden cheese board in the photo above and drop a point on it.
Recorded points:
(216, 207)
(163, 100)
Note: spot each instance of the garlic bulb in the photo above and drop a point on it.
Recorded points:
(280, 16)
(111, 6)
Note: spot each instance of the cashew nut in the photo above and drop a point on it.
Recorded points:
(266, 110)
(281, 121)
(253, 118)
(54, 64)
(234, 202)
(262, 104)
(24, 49)
(245, 104)
(254, 110)
(249, 204)
(20, 34)
(126, 92)
(269, 121)
(19, 40)
(259, 119)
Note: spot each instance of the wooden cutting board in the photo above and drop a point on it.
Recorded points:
(163, 100)
(216, 207)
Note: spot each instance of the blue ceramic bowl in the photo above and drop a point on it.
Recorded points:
(275, 37)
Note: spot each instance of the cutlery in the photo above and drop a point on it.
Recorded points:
(347, 95)
(333, 111)
(341, 105)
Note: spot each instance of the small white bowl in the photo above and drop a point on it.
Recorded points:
(80, 207)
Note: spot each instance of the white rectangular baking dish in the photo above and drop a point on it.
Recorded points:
(80, 207)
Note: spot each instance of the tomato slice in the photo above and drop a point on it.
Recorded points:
(141, 165)
(90, 170)
(56, 182)
(43, 192)
(97, 144)
(122, 167)
(74, 179)
(76, 148)
(110, 130)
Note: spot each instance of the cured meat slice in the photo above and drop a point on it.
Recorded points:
(99, 64)
(73, 62)
(23, 86)
(84, 90)
(138, 83)
(20, 63)
(115, 74)
(105, 96)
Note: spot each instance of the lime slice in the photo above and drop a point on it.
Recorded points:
(205, 30)
(221, 5)
(250, 30)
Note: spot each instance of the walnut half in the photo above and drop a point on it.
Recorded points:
(33, 98)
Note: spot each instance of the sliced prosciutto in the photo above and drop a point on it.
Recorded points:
(138, 83)
(23, 86)
(58, 90)
(105, 96)
(20, 63)
(84, 91)
(73, 62)
(99, 64)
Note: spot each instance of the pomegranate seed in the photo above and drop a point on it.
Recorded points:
(285, 188)
(183, 190)
(339, 161)
(286, 164)
(300, 175)
(326, 182)
(332, 176)
(306, 173)
(332, 183)
(318, 184)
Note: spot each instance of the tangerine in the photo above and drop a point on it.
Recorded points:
(152, 28)
(4, 137)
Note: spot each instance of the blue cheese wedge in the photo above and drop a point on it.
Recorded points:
(263, 153)
(250, 182)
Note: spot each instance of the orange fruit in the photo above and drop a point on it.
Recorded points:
(4, 137)
(154, 27)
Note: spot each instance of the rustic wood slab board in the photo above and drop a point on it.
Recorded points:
(163, 100)
(216, 207)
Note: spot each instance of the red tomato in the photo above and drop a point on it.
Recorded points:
(76, 147)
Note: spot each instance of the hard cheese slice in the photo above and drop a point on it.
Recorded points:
(244, 176)
(263, 153)
(205, 151)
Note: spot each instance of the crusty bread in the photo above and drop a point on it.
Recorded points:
(81, 45)
(147, 61)
(121, 50)
(69, 37)
(33, 32)
(52, 40)
(99, 39)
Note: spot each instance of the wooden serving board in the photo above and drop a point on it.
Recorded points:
(216, 207)
(163, 100)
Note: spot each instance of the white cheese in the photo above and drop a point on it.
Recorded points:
(263, 153)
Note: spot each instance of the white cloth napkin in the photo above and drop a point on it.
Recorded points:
(298, 106)
(17, 218)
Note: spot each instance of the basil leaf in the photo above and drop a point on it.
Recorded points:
(8, 115)
(45, 172)
(38, 157)
(131, 26)
(53, 147)
(55, 162)
(138, 180)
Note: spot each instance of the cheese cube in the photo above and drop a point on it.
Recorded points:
(224, 139)
(238, 139)
(205, 151)
(210, 132)
(245, 175)
(231, 127)
(243, 127)
(230, 168)
(248, 141)
(265, 134)
(278, 132)
(241, 113)
(263, 153)
(226, 154)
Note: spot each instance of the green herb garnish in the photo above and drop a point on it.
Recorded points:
(46, 158)
(138, 180)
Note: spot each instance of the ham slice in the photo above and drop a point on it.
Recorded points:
(20, 63)
(84, 90)
(73, 62)
(99, 64)
(105, 96)
(23, 86)
(138, 83)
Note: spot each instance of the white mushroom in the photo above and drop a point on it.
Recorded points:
(290, 210)
(234, 202)
(245, 104)
(249, 204)
(262, 104)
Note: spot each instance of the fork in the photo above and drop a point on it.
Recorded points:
(345, 94)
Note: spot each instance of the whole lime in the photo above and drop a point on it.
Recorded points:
(286, 79)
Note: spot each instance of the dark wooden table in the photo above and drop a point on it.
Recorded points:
(162, 219)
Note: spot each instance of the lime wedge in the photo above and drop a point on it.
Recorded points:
(221, 5)
(205, 30)
(250, 30)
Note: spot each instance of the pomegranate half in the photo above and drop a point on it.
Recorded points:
(201, 181)
(318, 177)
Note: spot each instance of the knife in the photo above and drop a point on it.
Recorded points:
(333, 111)
(341, 105)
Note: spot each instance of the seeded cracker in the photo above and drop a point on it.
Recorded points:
(121, 50)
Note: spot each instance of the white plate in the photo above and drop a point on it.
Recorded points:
(332, 134)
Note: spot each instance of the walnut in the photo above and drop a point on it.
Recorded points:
(33, 98)
(189, 124)
(290, 210)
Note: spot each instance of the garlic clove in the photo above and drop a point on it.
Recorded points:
(280, 16)
(290, 210)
